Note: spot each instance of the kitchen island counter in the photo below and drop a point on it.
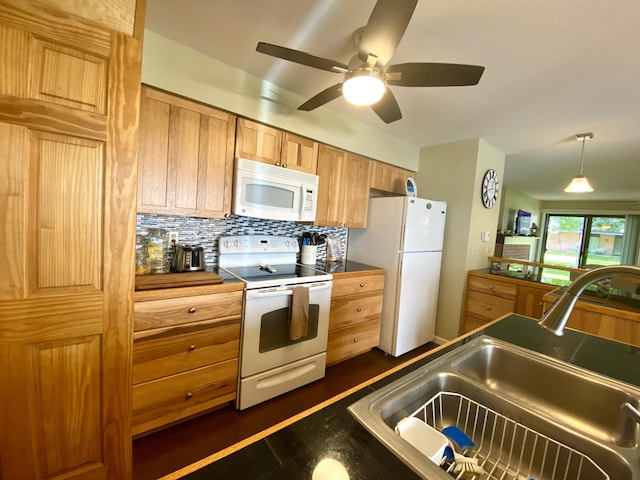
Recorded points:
(295, 448)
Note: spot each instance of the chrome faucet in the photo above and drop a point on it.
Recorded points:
(555, 319)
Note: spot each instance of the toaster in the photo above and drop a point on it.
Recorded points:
(188, 258)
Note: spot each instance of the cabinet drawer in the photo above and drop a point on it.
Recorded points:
(500, 289)
(351, 341)
(160, 402)
(162, 352)
(175, 311)
(349, 310)
(488, 307)
(363, 284)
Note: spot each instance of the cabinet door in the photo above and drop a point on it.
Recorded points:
(255, 141)
(331, 170)
(389, 178)
(186, 157)
(357, 179)
(68, 148)
(299, 153)
(529, 301)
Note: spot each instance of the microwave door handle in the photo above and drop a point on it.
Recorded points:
(301, 203)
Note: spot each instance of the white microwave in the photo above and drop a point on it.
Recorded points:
(275, 193)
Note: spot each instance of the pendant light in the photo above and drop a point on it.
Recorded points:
(580, 184)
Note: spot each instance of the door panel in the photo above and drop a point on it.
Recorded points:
(65, 226)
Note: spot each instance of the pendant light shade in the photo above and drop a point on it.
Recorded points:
(580, 184)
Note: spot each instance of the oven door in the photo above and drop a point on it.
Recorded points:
(266, 341)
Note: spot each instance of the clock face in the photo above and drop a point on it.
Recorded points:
(489, 188)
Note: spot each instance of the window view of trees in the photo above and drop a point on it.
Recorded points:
(581, 241)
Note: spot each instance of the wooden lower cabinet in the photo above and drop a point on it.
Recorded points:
(490, 297)
(487, 299)
(529, 300)
(185, 357)
(603, 321)
(356, 312)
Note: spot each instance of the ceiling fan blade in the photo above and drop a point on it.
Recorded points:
(385, 28)
(433, 74)
(302, 58)
(387, 108)
(323, 97)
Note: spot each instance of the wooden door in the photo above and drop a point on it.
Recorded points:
(186, 157)
(331, 170)
(356, 192)
(69, 91)
(299, 153)
(255, 141)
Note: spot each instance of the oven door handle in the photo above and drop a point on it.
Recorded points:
(285, 291)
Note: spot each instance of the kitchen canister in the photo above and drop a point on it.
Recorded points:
(308, 254)
(157, 249)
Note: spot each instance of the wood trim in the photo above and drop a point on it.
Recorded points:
(118, 259)
(60, 119)
(56, 25)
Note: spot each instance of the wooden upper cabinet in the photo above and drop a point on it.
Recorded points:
(343, 190)
(262, 143)
(185, 157)
(389, 178)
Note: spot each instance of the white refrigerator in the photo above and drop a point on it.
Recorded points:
(404, 235)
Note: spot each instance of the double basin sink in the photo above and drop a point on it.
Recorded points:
(530, 416)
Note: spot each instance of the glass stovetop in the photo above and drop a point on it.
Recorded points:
(273, 275)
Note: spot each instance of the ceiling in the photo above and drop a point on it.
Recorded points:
(553, 69)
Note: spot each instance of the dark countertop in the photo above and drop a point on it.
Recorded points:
(294, 451)
(347, 266)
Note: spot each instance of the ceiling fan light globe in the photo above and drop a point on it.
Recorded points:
(579, 184)
(363, 87)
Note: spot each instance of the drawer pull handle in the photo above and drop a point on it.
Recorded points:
(362, 285)
(188, 396)
(355, 340)
(192, 348)
(487, 308)
(192, 310)
(358, 309)
(490, 287)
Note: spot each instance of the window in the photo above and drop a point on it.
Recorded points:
(581, 241)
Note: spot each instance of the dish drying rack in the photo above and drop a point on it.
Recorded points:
(505, 449)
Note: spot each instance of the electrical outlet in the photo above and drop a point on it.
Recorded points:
(173, 237)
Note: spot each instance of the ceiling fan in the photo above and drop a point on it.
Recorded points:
(369, 68)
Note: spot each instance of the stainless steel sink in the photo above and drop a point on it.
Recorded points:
(530, 416)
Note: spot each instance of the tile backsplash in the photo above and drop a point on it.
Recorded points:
(206, 231)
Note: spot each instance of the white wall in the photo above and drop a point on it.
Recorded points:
(176, 68)
(453, 172)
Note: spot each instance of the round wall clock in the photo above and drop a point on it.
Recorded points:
(489, 188)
